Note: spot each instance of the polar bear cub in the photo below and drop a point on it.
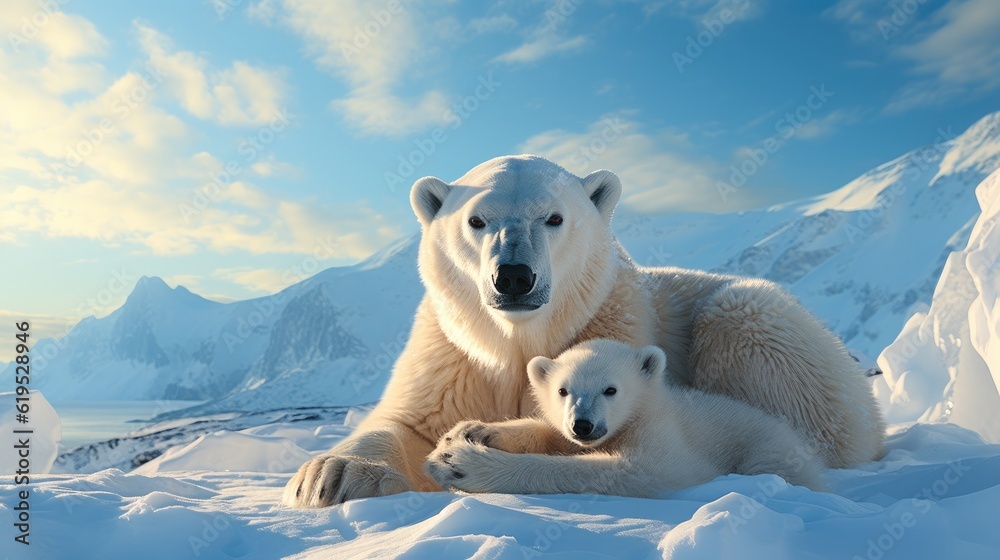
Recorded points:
(625, 430)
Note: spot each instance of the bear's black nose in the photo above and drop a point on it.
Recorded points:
(583, 428)
(514, 279)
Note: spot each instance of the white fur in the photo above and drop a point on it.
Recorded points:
(467, 360)
(651, 436)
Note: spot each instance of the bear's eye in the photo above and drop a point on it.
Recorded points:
(476, 222)
(563, 392)
(610, 391)
(554, 220)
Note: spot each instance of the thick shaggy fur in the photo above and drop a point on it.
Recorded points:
(648, 437)
(467, 357)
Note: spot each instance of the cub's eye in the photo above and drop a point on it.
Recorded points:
(554, 220)
(476, 223)
(563, 392)
(610, 391)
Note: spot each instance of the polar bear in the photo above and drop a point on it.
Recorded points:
(625, 431)
(519, 260)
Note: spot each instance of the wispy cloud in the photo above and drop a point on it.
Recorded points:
(701, 10)
(374, 50)
(951, 51)
(261, 280)
(87, 154)
(960, 54)
(548, 37)
(658, 171)
(240, 95)
(827, 125)
(43, 325)
(493, 24)
(542, 45)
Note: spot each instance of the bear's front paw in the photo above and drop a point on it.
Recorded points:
(332, 479)
(474, 431)
(466, 466)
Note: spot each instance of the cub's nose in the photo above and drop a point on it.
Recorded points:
(514, 279)
(583, 428)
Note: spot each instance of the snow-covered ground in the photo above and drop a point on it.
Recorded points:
(935, 495)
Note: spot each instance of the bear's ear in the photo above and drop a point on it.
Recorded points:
(653, 361)
(538, 369)
(603, 188)
(427, 196)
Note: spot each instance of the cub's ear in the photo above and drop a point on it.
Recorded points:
(538, 370)
(653, 361)
(427, 196)
(603, 188)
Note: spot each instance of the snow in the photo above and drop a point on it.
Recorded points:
(43, 421)
(225, 451)
(945, 364)
(934, 495)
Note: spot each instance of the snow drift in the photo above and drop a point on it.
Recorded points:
(46, 433)
(945, 365)
(933, 496)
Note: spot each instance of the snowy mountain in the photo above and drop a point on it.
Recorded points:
(340, 329)
(864, 258)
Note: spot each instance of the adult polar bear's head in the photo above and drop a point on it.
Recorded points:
(518, 250)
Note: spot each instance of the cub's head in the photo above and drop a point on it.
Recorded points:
(593, 389)
(514, 235)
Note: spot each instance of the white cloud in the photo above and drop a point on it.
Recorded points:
(242, 217)
(828, 124)
(543, 45)
(961, 53)
(953, 51)
(263, 280)
(87, 154)
(374, 50)
(493, 24)
(241, 94)
(25, 23)
(43, 325)
(701, 10)
(657, 170)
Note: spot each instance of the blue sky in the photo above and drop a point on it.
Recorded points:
(233, 146)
